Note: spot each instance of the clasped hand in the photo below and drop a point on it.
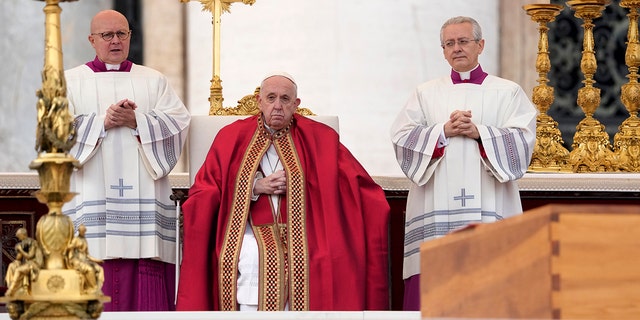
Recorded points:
(275, 183)
(121, 114)
(460, 124)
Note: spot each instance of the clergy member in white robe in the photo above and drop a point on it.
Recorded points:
(463, 140)
(131, 129)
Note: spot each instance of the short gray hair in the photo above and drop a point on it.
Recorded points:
(477, 30)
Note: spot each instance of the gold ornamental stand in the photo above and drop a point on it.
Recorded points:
(627, 141)
(216, 7)
(592, 151)
(247, 105)
(53, 283)
(549, 155)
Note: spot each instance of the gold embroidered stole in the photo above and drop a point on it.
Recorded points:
(283, 249)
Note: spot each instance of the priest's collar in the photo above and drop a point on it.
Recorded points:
(98, 66)
(475, 76)
(271, 132)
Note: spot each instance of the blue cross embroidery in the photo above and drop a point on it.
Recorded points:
(121, 187)
(463, 197)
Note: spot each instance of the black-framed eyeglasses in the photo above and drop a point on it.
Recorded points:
(461, 42)
(108, 36)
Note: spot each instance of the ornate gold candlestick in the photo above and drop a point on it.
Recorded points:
(627, 141)
(52, 282)
(592, 151)
(549, 155)
(216, 7)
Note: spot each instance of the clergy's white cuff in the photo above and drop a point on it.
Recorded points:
(259, 175)
(442, 140)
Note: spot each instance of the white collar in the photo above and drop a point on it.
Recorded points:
(112, 66)
(467, 74)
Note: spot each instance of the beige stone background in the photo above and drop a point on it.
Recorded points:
(358, 60)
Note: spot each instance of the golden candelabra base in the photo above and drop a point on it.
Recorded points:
(47, 286)
(56, 294)
(591, 148)
(549, 154)
(627, 145)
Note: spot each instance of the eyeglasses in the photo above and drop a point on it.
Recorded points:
(461, 42)
(108, 36)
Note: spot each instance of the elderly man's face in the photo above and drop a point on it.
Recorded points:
(115, 50)
(278, 101)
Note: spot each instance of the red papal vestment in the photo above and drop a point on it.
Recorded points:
(333, 233)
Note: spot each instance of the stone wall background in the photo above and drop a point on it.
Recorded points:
(358, 60)
(22, 59)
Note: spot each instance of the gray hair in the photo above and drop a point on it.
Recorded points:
(477, 30)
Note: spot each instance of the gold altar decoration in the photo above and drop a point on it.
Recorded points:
(216, 7)
(549, 154)
(626, 142)
(591, 149)
(50, 278)
(247, 105)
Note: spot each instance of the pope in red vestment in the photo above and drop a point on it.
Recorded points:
(324, 246)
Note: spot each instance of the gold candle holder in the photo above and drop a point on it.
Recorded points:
(592, 151)
(217, 7)
(549, 155)
(247, 105)
(627, 141)
(52, 281)
(54, 230)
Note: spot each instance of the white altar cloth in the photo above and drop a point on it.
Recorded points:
(614, 182)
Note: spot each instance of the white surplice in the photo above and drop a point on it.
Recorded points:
(123, 186)
(461, 187)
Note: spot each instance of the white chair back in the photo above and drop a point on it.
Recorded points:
(203, 129)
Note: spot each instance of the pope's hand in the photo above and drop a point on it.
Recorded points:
(275, 183)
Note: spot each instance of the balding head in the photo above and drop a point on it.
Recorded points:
(107, 16)
(108, 24)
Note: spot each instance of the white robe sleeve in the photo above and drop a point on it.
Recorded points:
(414, 141)
(89, 130)
(509, 147)
(508, 136)
(163, 132)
